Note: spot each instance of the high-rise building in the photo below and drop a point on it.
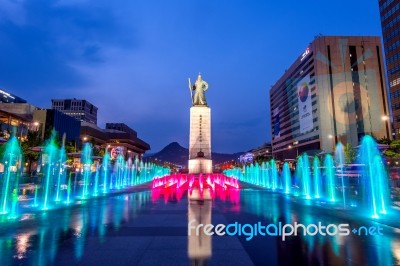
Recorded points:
(333, 92)
(82, 110)
(390, 21)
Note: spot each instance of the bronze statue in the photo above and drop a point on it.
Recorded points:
(199, 88)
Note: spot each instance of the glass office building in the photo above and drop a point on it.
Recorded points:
(333, 92)
(390, 21)
(82, 110)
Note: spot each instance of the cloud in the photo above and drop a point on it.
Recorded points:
(12, 11)
(132, 59)
(42, 44)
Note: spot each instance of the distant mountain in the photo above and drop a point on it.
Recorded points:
(175, 153)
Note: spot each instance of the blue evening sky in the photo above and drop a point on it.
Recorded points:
(133, 58)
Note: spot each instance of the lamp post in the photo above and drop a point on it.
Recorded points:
(36, 126)
(385, 119)
(330, 136)
(297, 150)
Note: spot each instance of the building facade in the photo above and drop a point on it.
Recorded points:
(121, 127)
(263, 152)
(16, 118)
(117, 138)
(334, 92)
(11, 123)
(49, 119)
(390, 21)
(82, 110)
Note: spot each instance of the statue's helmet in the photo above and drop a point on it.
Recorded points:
(199, 77)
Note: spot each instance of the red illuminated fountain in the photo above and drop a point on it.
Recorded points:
(200, 187)
(201, 183)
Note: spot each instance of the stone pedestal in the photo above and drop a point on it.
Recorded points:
(200, 140)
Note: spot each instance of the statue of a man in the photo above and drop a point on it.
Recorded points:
(198, 91)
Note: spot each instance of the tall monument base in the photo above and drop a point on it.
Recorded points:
(200, 140)
(200, 165)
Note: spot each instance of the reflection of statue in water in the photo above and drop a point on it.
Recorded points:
(199, 88)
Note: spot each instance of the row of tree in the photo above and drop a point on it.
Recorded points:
(33, 140)
(393, 152)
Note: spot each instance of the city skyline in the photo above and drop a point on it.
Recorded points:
(133, 61)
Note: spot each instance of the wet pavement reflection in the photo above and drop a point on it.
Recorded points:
(151, 228)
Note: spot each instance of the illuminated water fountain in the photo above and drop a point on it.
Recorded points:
(374, 182)
(87, 171)
(328, 182)
(274, 175)
(317, 177)
(204, 186)
(287, 179)
(51, 167)
(11, 164)
(340, 161)
(61, 175)
(106, 171)
(58, 185)
(330, 178)
(303, 175)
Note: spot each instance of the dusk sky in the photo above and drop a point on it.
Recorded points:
(132, 59)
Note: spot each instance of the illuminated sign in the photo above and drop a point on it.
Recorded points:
(306, 52)
(246, 158)
(115, 151)
(7, 94)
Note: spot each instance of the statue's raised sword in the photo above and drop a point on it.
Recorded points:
(190, 88)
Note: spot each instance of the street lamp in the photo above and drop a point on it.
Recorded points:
(385, 118)
(297, 149)
(330, 136)
(36, 126)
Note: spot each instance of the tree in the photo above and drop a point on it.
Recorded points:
(70, 147)
(2, 150)
(98, 151)
(32, 140)
(384, 140)
(394, 150)
(350, 154)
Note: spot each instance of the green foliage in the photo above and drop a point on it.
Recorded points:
(391, 154)
(57, 138)
(70, 147)
(33, 140)
(2, 150)
(350, 154)
(395, 145)
(384, 141)
(98, 151)
(394, 151)
(394, 148)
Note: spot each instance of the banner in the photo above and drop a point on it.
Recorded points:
(304, 104)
